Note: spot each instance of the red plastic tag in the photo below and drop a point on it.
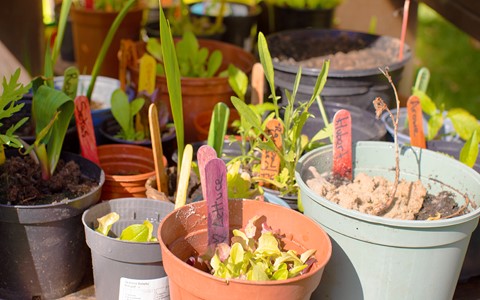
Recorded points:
(270, 161)
(86, 133)
(217, 202)
(204, 154)
(415, 122)
(342, 144)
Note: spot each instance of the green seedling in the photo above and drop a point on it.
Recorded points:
(133, 233)
(124, 113)
(12, 92)
(465, 124)
(218, 127)
(258, 257)
(193, 60)
(294, 118)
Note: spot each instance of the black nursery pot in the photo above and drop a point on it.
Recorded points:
(354, 87)
(43, 253)
(287, 18)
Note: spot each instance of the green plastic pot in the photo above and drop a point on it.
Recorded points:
(380, 258)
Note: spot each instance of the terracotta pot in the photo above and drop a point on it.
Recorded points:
(201, 94)
(127, 168)
(184, 233)
(90, 28)
(201, 122)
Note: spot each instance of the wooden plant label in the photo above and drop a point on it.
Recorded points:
(70, 82)
(184, 176)
(415, 122)
(204, 154)
(86, 133)
(217, 202)
(342, 144)
(156, 138)
(148, 69)
(258, 83)
(270, 161)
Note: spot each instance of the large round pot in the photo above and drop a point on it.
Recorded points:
(357, 87)
(43, 253)
(183, 233)
(123, 268)
(90, 27)
(201, 94)
(378, 258)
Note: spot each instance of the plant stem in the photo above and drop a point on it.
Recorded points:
(106, 44)
(324, 115)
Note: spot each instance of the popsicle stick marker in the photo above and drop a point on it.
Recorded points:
(184, 177)
(146, 79)
(415, 121)
(270, 161)
(204, 154)
(156, 138)
(217, 202)
(342, 144)
(258, 84)
(86, 133)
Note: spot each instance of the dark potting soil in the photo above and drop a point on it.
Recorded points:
(21, 182)
(344, 55)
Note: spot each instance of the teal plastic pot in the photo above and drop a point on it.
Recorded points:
(381, 258)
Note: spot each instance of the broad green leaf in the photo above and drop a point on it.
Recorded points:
(321, 81)
(238, 81)
(266, 60)
(120, 108)
(281, 274)
(237, 253)
(428, 106)
(214, 63)
(434, 124)
(463, 122)
(135, 106)
(138, 232)
(246, 112)
(268, 245)
(154, 48)
(106, 222)
(469, 152)
(258, 273)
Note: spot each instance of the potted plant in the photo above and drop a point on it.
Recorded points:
(200, 89)
(91, 21)
(44, 195)
(125, 257)
(371, 245)
(354, 77)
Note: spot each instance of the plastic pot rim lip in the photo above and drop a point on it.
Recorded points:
(116, 240)
(332, 73)
(406, 224)
(166, 252)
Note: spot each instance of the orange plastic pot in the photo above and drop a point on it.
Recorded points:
(183, 233)
(201, 94)
(90, 27)
(127, 168)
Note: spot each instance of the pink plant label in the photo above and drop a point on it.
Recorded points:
(415, 121)
(204, 154)
(270, 161)
(217, 202)
(342, 144)
(86, 133)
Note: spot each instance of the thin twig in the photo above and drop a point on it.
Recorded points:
(380, 106)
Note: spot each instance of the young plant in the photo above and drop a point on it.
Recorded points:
(134, 233)
(124, 113)
(218, 127)
(12, 92)
(294, 118)
(465, 124)
(257, 254)
(193, 60)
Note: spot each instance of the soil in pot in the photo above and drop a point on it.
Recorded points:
(21, 182)
(369, 194)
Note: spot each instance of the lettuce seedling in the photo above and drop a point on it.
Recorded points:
(12, 92)
(133, 233)
(256, 254)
